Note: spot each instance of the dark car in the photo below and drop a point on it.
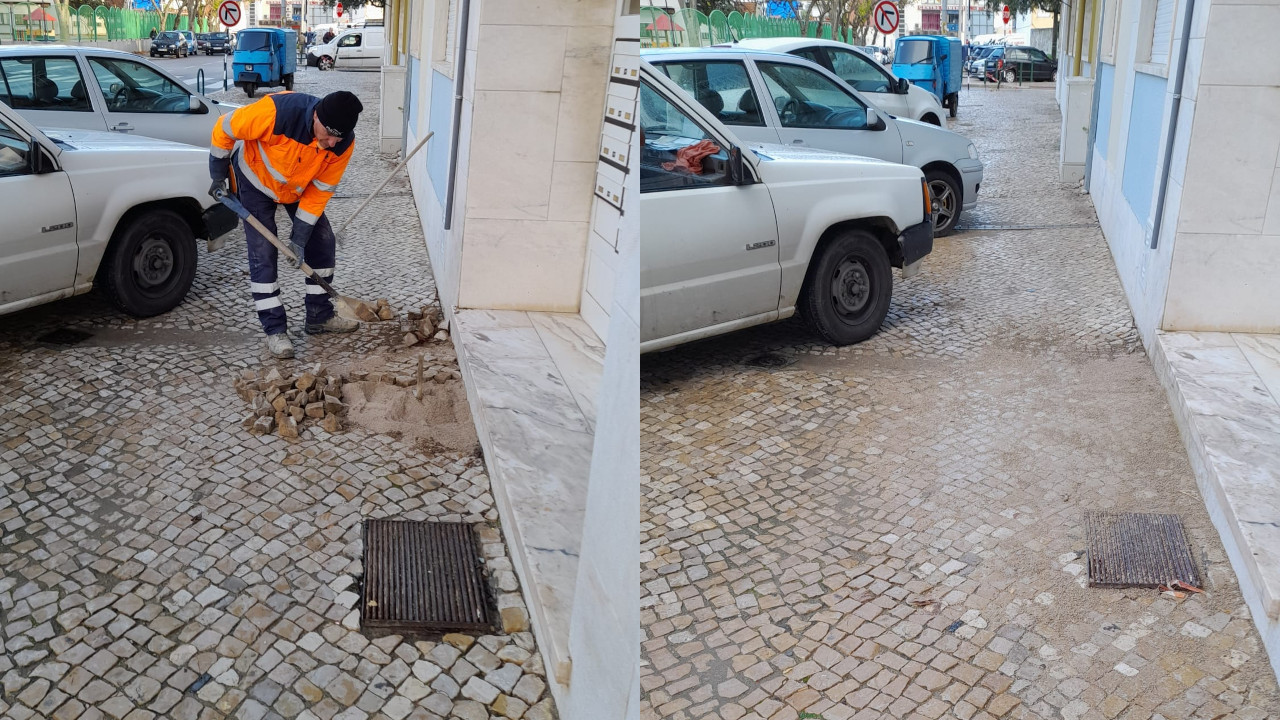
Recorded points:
(218, 42)
(1012, 63)
(170, 42)
(202, 43)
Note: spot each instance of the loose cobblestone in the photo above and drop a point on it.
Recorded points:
(895, 529)
(159, 560)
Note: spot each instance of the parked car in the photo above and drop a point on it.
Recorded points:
(171, 42)
(736, 236)
(977, 54)
(808, 106)
(894, 95)
(355, 49)
(202, 42)
(191, 40)
(85, 209)
(218, 42)
(875, 52)
(1020, 62)
(98, 89)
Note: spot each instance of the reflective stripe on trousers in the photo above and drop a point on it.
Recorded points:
(263, 280)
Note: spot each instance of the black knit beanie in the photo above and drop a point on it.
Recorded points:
(339, 111)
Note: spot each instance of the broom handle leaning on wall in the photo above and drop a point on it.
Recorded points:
(392, 174)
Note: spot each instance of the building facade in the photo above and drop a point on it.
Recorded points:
(528, 204)
(1169, 111)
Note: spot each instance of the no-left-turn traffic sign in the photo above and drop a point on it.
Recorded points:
(229, 13)
(885, 16)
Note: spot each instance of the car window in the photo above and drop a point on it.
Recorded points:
(44, 83)
(721, 87)
(676, 152)
(13, 151)
(1038, 55)
(132, 87)
(250, 42)
(805, 98)
(350, 40)
(862, 74)
(169, 36)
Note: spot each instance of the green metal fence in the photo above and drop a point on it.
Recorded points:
(689, 28)
(90, 24)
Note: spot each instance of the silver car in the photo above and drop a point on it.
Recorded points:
(773, 97)
(96, 89)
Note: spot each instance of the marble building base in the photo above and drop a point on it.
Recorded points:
(531, 381)
(1224, 389)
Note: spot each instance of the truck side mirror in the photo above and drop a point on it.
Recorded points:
(738, 168)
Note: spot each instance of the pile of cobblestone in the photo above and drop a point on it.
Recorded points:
(428, 323)
(281, 404)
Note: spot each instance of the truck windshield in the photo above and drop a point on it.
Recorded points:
(915, 52)
(253, 41)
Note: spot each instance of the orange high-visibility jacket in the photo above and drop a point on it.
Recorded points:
(276, 150)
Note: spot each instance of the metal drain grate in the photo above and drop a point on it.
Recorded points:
(423, 578)
(64, 337)
(1138, 550)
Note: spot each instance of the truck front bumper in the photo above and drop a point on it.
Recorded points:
(916, 242)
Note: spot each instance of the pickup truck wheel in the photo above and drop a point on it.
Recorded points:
(848, 290)
(151, 264)
(946, 195)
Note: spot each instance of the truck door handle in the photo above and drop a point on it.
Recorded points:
(123, 127)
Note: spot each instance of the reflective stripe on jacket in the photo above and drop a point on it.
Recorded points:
(278, 152)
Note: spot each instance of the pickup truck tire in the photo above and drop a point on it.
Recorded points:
(847, 293)
(946, 193)
(150, 264)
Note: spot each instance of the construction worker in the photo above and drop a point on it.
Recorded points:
(288, 149)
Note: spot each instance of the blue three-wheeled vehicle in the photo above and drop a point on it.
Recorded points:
(933, 62)
(264, 57)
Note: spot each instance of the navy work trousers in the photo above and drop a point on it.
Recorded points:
(319, 254)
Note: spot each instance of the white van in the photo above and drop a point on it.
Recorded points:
(354, 49)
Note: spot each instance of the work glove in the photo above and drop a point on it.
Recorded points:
(220, 172)
(298, 241)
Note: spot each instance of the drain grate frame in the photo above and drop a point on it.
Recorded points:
(64, 337)
(1144, 550)
(423, 579)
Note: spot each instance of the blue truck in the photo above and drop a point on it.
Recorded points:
(933, 62)
(264, 57)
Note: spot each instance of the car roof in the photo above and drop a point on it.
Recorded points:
(788, 43)
(660, 54)
(63, 50)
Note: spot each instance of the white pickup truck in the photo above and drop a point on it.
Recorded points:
(733, 236)
(85, 208)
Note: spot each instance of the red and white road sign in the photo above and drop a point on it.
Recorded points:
(339, 9)
(1005, 14)
(885, 16)
(229, 13)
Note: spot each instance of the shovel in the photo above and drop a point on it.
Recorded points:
(347, 307)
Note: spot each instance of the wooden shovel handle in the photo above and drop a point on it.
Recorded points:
(289, 253)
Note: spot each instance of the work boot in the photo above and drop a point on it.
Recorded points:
(334, 324)
(279, 346)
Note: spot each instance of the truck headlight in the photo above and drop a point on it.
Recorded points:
(973, 151)
(250, 67)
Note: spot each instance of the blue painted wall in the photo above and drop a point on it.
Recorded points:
(1106, 85)
(438, 148)
(1146, 119)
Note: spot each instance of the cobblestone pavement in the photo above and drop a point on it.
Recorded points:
(895, 529)
(158, 561)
